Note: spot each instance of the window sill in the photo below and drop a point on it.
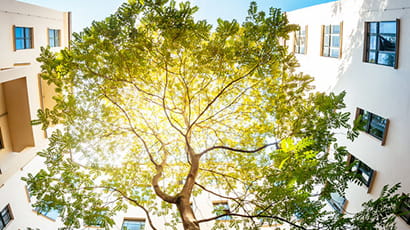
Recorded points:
(23, 49)
(373, 63)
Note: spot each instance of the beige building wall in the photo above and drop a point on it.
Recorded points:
(382, 90)
(21, 95)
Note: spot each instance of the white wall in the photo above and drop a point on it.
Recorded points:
(379, 89)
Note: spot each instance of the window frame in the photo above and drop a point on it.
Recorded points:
(29, 37)
(366, 44)
(298, 37)
(139, 220)
(10, 215)
(330, 35)
(56, 39)
(337, 206)
(360, 112)
(360, 170)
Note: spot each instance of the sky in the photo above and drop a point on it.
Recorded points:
(85, 11)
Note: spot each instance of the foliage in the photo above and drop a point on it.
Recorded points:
(157, 108)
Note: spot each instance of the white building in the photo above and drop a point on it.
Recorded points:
(24, 28)
(360, 46)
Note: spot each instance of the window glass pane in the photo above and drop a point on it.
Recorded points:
(371, 57)
(19, 44)
(387, 27)
(334, 52)
(27, 43)
(366, 170)
(51, 34)
(57, 38)
(326, 41)
(302, 50)
(335, 29)
(302, 41)
(326, 52)
(19, 32)
(373, 27)
(1, 225)
(53, 214)
(327, 29)
(133, 225)
(5, 215)
(377, 126)
(337, 197)
(337, 202)
(27, 33)
(386, 58)
(387, 42)
(335, 41)
(6, 219)
(365, 117)
(365, 173)
(372, 42)
(365, 178)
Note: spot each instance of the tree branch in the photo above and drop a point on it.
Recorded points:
(132, 127)
(129, 199)
(251, 216)
(238, 150)
(221, 92)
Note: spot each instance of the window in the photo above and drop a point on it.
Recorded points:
(404, 210)
(220, 208)
(364, 173)
(51, 213)
(23, 38)
(331, 40)
(130, 224)
(337, 202)
(372, 124)
(53, 38)
(5, 217)
(381, 43)
(300, 41)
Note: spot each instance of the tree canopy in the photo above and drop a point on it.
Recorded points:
(156, 108)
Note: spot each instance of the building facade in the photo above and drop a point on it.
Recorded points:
(24, 28)
(360, 47)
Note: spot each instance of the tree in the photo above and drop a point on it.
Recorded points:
(156, 104)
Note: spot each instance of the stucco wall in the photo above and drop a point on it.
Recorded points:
(379, 89)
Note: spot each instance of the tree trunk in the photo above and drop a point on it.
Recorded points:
(187, 214)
